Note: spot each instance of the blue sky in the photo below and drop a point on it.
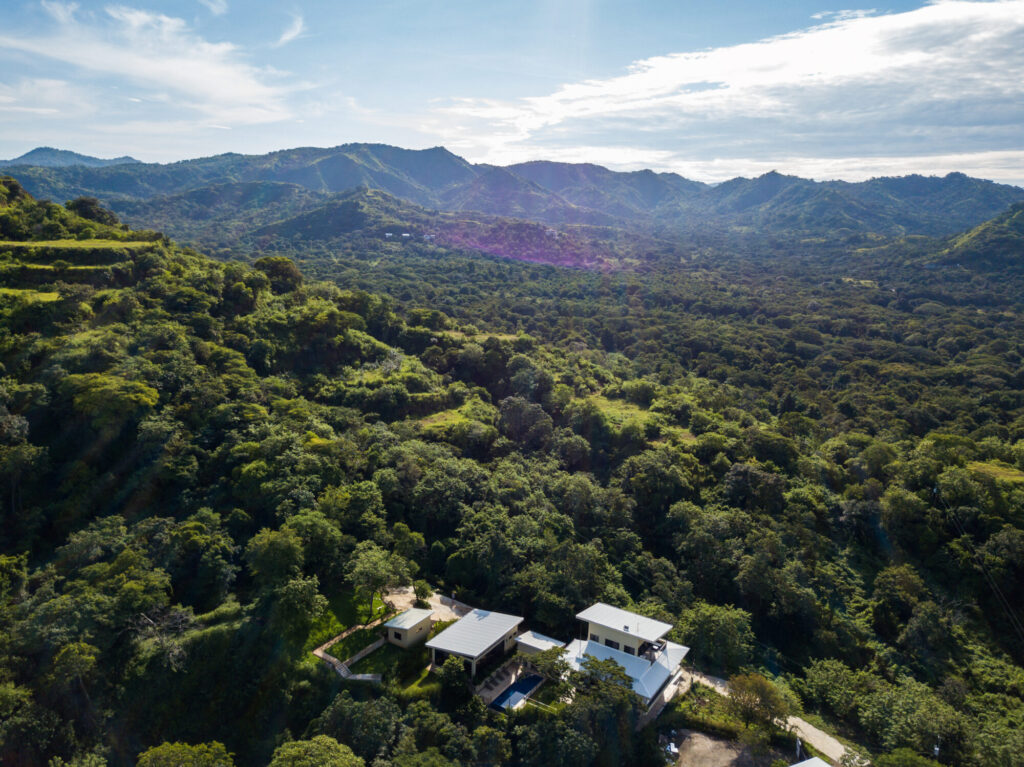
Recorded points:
(708, 89)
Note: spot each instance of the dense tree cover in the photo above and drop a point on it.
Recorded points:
(817, 477)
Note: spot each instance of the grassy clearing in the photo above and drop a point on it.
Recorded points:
(30, 295)
(997, 470)
(441, 418)
(69, 268)
(342, 612)
(619, 411)
(354, 642)
(424, 685)
(407, 667)
(679, 435)
(76, 244)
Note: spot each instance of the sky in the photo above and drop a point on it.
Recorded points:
(705, 88)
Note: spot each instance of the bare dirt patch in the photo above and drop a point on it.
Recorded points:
(700, 750)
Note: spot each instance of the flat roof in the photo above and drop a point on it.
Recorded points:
(812, 762)
(411, 617)
(647, 677)
(475, 633)
(538, 641)
(618, 619)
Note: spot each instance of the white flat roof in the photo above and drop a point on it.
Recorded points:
(538, 641)
(812, 762)
(618, 619)
(647, 677)
(475, 633)
(408, 619)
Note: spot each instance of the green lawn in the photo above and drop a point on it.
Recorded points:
(342, 612)
(355, 642)
(424, 684)
(405, 666)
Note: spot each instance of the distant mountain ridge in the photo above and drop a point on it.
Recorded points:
(48, 157)
(553, 193)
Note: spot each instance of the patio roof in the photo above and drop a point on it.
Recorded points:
(475, 633)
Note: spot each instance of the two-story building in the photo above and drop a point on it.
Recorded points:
(635, 642)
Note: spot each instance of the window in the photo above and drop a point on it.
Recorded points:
(610, 643)
(397, 634)
(595, 638)
(628, 649)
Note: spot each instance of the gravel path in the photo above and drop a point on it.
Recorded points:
(810, 734)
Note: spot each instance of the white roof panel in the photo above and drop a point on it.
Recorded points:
(812, 762)
(647, 677)
(408, 619)
(618, 619)
(538, 641)
(475, 633)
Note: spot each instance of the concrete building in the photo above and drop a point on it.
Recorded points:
(410, 627)
(633, 641)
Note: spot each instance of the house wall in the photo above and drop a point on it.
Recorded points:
(624, 639)
(412, 635)
(510, 639)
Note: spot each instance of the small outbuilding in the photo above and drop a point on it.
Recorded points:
(477, 635)
(410, 627)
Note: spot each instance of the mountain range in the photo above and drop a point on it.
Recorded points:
(325, 193)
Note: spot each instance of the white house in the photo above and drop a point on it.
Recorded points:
(475, 636)
(633, 641)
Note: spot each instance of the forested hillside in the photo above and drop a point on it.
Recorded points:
(808, 457)
(556, 194)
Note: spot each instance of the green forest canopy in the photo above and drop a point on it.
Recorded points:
(811, 467)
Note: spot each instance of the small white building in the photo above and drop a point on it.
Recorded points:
(476, 636)
(633, 641)
(410, 627)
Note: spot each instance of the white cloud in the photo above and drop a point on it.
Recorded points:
(62, 12)
(160, 55)
(216, 7)
(292, 31)
(943, 81)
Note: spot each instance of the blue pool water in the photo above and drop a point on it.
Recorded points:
(516, 692)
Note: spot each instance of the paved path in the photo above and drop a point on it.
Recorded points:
(808, 733)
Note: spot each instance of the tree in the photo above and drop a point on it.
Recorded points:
(184, 755)
(720, 635)
(295, 607)
(273, 556)
(454, 680)
(373, 570)
(321, 751)
(283, 273)
(753, 699)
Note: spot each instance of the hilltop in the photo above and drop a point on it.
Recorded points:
(48, 157)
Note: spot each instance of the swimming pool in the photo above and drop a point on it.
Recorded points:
(516, 692)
